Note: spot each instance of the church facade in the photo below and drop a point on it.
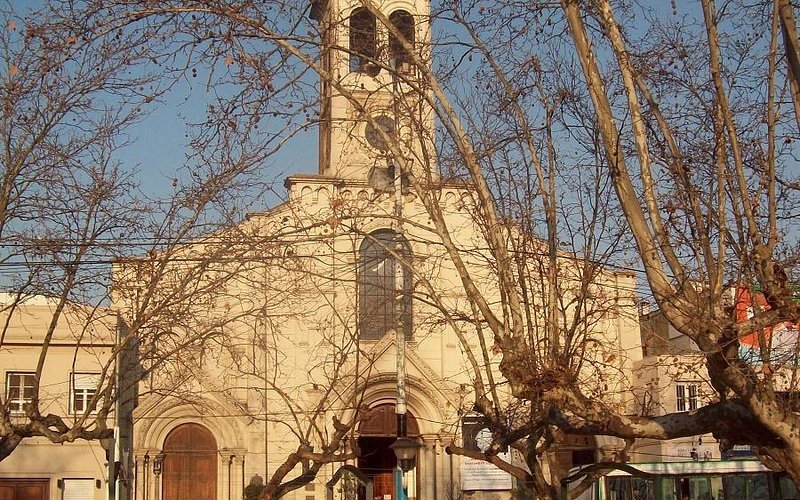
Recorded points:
(327, 299)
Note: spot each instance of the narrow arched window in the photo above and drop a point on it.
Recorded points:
(384, 289)
(402, 27)
(362, 41)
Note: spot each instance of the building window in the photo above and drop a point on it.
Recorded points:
(363, 42)
(19, 390)
(686, 397)
(403, 25)
(383, 303)
(84, 387)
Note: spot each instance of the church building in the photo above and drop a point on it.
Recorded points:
(324, 301)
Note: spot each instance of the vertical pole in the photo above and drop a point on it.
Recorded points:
(400, 406)
(400, 299)
(230, 466)
(400, 331)
(398, 484)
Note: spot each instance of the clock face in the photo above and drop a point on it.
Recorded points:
(386, 123)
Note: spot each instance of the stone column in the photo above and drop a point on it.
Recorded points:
(158, 472)
(147, 486)
(448, 470)
(237, 474)
(139, 483)
(429, 474)
(224, 471)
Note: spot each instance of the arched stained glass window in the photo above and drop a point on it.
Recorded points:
(384, 302)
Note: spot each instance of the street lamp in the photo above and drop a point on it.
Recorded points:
(405, 449)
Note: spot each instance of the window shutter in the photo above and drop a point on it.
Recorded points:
(78, 489)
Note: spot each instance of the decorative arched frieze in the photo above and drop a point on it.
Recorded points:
(152, 427)
(321, 194)
(422, 400)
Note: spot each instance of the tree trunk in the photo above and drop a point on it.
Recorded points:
(8, 444)
(792, 47)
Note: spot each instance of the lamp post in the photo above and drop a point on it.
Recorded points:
(405, 449)
(405, 453)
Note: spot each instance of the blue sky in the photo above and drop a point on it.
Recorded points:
(159, 141)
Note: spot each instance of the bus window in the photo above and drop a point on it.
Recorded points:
(643, 489)
(716, 488)
(747, 487)
(619, 488)
(666, 488)
(699, 488)
(734, 487)
(787, 489)
(758, 487)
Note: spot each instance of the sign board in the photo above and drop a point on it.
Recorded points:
(687, 451)
(480, 475)
(477, 474)
(740, 451)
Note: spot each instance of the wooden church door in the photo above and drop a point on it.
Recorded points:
(190, 464)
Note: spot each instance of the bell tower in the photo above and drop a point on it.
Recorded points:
(372, 54)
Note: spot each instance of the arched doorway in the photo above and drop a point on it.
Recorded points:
(377, 460)
(190, 464)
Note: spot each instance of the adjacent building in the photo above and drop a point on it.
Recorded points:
(81, 347)
(672, 376)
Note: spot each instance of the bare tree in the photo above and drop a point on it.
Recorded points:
(628, 146)
(696, 177)
(723, 228)
(64, 199)
(70, 210)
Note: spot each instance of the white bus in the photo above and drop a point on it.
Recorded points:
(695, 480)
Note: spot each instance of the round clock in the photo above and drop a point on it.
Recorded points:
(374, 138)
